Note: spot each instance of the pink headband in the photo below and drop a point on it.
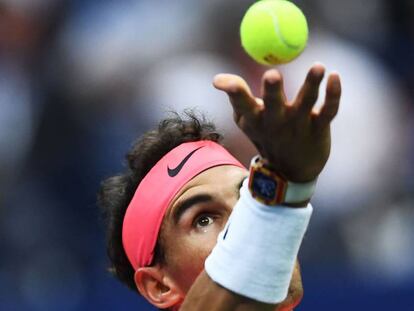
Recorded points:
(146, 211)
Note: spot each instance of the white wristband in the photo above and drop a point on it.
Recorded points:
(256, 252)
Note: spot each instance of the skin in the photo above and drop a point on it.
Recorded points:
(192, 239)
(299, 154)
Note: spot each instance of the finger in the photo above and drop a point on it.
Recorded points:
(332, 99)
(240, 95)
(259, 101)
(273, 93)
(308, 94)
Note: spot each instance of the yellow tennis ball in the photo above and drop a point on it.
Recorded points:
(274, 31)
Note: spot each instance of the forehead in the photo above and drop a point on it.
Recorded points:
(214, 180)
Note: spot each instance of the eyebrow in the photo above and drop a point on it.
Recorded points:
(186, 204)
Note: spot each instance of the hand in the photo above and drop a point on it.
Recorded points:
(291, 135)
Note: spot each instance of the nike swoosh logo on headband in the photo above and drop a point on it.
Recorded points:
(172, 172)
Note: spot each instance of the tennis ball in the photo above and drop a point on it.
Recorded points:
(274, 31)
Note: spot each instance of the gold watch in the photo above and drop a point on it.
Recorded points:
(270, 188)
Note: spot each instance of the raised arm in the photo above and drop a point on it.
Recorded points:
(293, 137)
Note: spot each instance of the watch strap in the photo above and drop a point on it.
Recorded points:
(299, 192)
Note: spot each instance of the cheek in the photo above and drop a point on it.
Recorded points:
(189, 256)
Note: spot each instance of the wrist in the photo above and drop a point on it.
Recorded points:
(272, 188)
(298, 173)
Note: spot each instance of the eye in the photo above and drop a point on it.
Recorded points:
(204, 221)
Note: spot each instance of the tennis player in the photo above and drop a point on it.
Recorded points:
(191, 228)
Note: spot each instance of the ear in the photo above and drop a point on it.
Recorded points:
(157, 287)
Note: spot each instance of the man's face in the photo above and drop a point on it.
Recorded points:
(193, 221)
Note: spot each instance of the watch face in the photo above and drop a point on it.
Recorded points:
(264, 186)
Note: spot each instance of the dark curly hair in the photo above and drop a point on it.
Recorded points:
(117, 191)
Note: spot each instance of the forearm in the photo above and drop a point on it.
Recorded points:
(206, 295)
(248, 266)
(299, 155)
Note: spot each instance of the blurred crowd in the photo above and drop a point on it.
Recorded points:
(81, 79)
